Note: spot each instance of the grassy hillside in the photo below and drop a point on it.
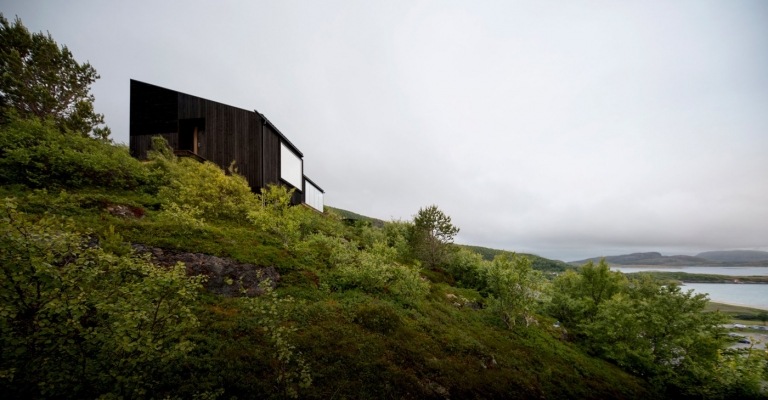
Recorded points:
(347, 311)
(356, 344)
(352, 216)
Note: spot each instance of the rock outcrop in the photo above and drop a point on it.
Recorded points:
(223, 276)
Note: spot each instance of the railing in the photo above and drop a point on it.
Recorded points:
(188, 153)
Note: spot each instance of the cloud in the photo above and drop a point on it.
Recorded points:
(565, 130)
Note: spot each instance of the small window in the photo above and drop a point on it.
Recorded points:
(313, 196)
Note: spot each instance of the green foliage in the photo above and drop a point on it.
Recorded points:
(76, 319)
(103, 321)
(398, 235)
(468, 269)
(274, 214)
(654, 330)
(576, 296)
(539, 263)
(378, 316)
(37, 154)
(375, 270)
(515, 288)
(659, 332)
(40, 79)
(272, 313)
(354, 217)
(432, 236)
(198, 191)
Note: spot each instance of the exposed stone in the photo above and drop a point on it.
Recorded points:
(120, 210)
(435, 388)
(223, 276)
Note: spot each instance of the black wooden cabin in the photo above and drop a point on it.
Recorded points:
(207, 130)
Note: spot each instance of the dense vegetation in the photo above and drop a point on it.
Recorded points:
(358, 310)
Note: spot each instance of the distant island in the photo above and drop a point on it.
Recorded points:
(750, 258)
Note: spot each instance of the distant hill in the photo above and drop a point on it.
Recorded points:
(353, 216)
(540, 263)
(735, 255)
(712, 258)
(649, 258)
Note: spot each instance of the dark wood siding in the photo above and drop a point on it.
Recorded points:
(225, 133)
(297, 197)
(271, 162)
(252, 148)
(153, 112)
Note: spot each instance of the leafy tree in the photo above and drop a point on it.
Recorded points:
(432, 236)
(576, 296)
(77, 320)
(397, 235)
(515, 289)
(467, 268)
(658, 331)
(40, 79)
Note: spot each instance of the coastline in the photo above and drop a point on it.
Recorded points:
(745, 306)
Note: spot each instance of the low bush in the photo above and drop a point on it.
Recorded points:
(195, 192)
(374, 270)
(80, 320)
(39, 155)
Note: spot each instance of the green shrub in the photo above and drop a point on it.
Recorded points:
(377, 316)
(38, 154)
(515, 288)
(274, 214)
(76, 319)
(199, 191)
(467, 267)
(375, 270)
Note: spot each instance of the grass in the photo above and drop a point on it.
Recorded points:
(739, 314)
(357, 345)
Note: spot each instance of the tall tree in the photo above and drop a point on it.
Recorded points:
(432, 236)
(39, 78)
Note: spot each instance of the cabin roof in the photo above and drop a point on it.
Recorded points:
(283, 138)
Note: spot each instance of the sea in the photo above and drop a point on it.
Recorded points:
(753, 295)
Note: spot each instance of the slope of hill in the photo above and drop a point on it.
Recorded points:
(648, 258)
(274, 301)
(353, 216)
(540, 263)
(734, 256)
(353, 342)
(718, 259)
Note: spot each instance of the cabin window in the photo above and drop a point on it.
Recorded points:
(290, 167)
(313, 196)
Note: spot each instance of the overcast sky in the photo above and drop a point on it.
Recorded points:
(568, 129)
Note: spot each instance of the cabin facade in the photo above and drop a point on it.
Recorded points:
(215, 132)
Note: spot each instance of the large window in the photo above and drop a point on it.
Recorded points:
(290, 167)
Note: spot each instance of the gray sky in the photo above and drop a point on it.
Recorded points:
(568, 129)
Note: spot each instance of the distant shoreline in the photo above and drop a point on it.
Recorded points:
(682, 266)
(714, 304)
